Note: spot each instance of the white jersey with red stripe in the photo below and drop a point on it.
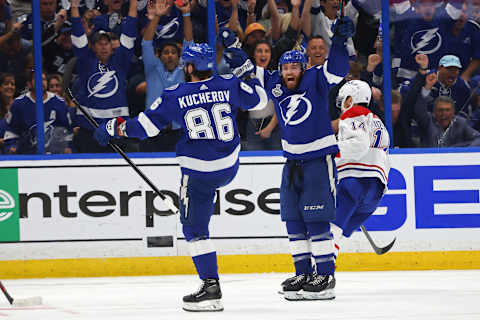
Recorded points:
(363, 141)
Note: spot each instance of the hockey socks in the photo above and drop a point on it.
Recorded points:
(322, 247)
(299, 247)
(204, 257)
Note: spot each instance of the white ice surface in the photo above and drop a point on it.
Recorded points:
(422, 295)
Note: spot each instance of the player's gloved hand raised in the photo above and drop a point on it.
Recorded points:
(238, 61)
(228, 38)
(344, 29)
(109, 130)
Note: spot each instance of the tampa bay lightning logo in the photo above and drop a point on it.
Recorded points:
(102, 84)
(295, 109)
(426, 41)
(168, 30)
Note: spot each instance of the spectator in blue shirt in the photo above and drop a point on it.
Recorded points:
(162, 69)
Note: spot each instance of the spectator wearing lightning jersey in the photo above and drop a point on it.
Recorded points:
(21, 132)
(169, 26)
(421, 30)
(207, 151)
(51, 22)
(464, 42)
(307, 192)
(362, 163)
(102, 75)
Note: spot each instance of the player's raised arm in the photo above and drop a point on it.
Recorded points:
(251, 93)
(337, 65)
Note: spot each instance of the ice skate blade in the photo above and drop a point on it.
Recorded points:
(27, 302)
(328, 294)
(204, 306)
(293, 295)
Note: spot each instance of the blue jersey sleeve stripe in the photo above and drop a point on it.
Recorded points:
(331, 78)
(209, 165)
(262, 103)
(453, 11)
(127, 41)
(105, 113)
(147, 125)
(316, 145)
(260, 74)
(402, 7)
(80, 42)
(10, 135)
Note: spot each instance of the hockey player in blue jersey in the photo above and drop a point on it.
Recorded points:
(207, 151)
(307, 192)
(363, 164)
(21, 131)
(102, 71)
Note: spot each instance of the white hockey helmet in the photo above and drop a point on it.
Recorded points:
(357, 89)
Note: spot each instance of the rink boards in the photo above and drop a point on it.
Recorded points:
(83, 216)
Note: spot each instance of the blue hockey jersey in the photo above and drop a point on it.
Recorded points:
(303, 114)
(102, 87)
(415, 36)
(466, 45)
(206, 111)
(169, 29)
(21, 131)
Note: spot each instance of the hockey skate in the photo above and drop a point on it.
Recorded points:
(292, 287)
(207, 298)
(320, 287)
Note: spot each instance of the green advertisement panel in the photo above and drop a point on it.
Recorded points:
(9, 210)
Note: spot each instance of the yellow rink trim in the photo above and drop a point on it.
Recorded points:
(98, 267)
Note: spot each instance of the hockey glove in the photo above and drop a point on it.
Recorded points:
(344, 29)
(112, 129)
(239, 62)
(227, 38)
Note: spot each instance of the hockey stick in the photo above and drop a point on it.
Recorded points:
(378, 250)
(117, 149)
(26, 302)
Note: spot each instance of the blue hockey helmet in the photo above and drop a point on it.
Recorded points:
(200, 55)
(292, 56)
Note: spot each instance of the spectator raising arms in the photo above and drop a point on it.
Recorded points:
(162, 70)
(102, 75)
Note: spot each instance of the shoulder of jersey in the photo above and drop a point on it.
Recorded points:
(475, 23)
(227, 76)
(21, 97)
(56, 96)
(175, 86)
(355, 111)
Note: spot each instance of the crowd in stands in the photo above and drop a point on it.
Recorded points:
(117, 56)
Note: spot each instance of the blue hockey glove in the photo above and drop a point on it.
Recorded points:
(238, 61)
(112, 129)
(228, 38)
(344, 29)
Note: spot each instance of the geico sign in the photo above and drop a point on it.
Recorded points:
(101, 203)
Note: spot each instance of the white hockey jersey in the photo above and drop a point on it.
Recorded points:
(363, 141)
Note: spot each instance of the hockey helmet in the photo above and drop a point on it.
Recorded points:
(292, 56)
(201, 55)
(357, 89)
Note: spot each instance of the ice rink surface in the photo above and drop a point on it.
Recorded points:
(422, 295)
